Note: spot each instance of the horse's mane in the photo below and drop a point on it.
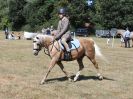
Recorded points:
(45, 38)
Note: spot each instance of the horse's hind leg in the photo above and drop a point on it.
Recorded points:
(62, 68)
(97, 68)
(81, 66)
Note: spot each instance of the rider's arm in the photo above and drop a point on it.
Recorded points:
(64, 29)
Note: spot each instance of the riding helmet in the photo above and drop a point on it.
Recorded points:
(62, 11)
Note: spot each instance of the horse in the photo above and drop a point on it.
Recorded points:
(87, 48)
(121, 33)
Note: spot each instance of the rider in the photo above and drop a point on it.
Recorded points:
(63, 30)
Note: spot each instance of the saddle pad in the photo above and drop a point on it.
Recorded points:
(72, 44)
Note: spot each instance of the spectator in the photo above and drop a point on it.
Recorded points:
(127, 38)
(6, 31)
(48, 31)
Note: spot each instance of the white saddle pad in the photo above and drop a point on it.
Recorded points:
(74, 44)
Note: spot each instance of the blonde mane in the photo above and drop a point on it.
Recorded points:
(45, 38)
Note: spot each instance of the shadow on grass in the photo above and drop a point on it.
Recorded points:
(58, 79)
(81, 77)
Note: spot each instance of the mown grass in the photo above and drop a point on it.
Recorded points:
(21, 72)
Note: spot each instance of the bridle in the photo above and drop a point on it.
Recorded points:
(46, 47)
(39, 46)
(47, 50)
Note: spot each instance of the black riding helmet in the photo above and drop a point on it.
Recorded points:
(62, 11)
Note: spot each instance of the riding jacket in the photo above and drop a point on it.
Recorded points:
(63, 29)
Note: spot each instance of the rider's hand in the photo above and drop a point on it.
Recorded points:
(57, 38)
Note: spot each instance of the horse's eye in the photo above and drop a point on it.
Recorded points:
(37, 37)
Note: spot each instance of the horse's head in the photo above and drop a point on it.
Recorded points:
(40, 41)
(37, 44)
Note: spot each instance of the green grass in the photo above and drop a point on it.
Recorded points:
(21, 72)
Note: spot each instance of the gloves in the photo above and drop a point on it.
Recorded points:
(57, 37)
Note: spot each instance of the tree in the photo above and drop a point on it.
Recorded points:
(38, 13)
(112, 13)
(4, 10)
(16, 13)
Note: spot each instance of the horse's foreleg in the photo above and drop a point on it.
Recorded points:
(81, 66)
(62, 68)
(51, 65)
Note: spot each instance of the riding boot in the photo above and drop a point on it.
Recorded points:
(67, 56)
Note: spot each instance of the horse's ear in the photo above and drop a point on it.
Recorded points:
(37, 37)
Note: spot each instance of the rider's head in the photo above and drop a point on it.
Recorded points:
(62, 12)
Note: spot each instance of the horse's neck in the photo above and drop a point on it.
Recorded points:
(48, 40)
(121, 32)
(54, 48)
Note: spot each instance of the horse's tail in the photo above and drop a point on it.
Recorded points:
(98, 52)
(97, 49)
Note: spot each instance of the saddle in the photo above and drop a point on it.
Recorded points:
(73, 44)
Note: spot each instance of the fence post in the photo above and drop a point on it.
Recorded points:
(113, 41)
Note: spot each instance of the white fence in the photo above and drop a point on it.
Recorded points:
(103, 33)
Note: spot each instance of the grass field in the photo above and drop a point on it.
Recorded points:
(21, 72)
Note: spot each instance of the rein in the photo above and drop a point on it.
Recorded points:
(47, 51)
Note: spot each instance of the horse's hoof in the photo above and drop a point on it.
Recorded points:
(42, 82)
(75, 79)
(100, 77)
(69, 79)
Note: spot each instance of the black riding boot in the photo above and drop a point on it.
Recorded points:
(67, 56)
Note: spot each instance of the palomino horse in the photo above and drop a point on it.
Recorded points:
(121, 32)
(87, 48)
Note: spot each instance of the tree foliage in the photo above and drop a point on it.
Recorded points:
(16, 16)
(115, 13)
(33, 15)
(4, 20)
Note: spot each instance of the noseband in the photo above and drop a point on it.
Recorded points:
(46, 49)
(39, 48)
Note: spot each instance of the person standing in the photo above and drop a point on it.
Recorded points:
(127, 38)
(48, 31)
(6, 31)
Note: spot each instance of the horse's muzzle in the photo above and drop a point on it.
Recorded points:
(35, 52)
